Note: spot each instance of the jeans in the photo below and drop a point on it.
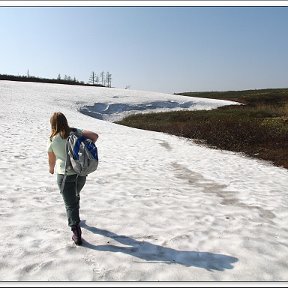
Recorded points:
(70, 190)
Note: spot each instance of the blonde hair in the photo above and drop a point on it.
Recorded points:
(59, 124)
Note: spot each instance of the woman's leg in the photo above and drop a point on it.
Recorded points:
(81, 180)
(70, 194)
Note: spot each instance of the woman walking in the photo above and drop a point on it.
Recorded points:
(72, 184)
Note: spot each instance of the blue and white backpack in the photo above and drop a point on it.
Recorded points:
(82, 154)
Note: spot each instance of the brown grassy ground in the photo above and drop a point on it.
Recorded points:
(259, 128)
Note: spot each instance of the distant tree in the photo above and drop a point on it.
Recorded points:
(59, 77)
(108, 79)
(102, 78)
(92, 78)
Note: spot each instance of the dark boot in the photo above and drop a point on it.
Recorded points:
(76, 237)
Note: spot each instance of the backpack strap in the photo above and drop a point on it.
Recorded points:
(67, 162)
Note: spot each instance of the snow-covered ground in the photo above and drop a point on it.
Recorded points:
(159, 207)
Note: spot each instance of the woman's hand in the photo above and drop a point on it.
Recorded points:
(91, 135)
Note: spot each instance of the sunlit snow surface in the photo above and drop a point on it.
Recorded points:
(159, 207)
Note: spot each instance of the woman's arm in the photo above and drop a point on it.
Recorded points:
(52, 162)
(91, 135)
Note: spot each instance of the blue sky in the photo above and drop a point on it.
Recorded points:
(165, 49)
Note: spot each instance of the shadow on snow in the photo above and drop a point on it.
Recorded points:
(103, 110)
(156, 253)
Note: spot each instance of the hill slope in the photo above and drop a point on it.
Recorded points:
(159, 208)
